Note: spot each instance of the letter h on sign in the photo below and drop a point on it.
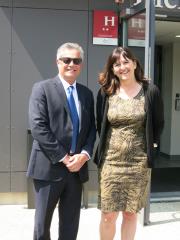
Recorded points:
(108, 20)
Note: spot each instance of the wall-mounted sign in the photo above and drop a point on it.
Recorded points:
(105, 28)
(136, 30)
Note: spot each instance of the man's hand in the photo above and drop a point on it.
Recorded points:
(76, 161)
(66, 159)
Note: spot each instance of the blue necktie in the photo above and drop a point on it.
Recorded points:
(74, 117)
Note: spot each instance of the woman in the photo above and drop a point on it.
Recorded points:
(129, 122)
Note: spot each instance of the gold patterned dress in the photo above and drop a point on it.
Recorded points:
(124, 175)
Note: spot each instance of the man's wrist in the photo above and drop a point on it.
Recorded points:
(86, 154)
(62, 159)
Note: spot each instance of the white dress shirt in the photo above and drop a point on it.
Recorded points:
(75, 95)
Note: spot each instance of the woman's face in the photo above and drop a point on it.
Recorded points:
(124, 68)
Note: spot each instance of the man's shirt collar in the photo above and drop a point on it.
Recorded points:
(65, 83)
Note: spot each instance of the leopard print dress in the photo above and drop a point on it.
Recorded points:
(124, 176)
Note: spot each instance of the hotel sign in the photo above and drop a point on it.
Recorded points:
(105, 28)
(165, 4)
(136, 30)
(169, 7)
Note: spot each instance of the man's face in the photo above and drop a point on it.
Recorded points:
(70, 65)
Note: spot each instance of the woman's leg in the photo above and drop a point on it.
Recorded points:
(108, 225)
(128, 227)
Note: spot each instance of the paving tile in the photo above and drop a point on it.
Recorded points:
(16, 223)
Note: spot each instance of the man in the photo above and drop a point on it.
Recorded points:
(62, 123)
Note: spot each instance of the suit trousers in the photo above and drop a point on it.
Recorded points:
(67, 194)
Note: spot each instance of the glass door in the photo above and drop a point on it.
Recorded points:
(137, 28)
(138, 25)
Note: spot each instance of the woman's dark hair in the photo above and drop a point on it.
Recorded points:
(110, 82)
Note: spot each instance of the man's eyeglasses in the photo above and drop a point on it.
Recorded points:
(66, 60)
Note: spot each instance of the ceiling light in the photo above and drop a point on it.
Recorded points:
(178, 36)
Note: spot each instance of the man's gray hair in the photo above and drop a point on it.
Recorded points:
(69, 45)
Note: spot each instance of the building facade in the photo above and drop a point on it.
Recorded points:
(31, 31)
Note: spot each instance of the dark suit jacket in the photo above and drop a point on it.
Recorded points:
(154, 121)
(51, 128)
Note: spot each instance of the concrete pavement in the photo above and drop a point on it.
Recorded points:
(16, 223)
